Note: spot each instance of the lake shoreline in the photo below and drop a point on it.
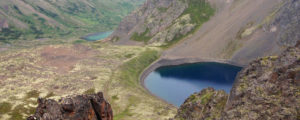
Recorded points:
(161, 62)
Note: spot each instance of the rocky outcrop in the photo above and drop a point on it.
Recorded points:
(208, 104)
(154, 16)
(81, 107)
(267, 89)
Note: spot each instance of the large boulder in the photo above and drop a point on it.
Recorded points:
(81, 107)
(267, 89)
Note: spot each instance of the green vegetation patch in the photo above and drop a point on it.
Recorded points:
(123, 114)
(79, 41)
(128, 77)
(206, 97)
(7, 34)
(18, 112)
(50, 94)
(141, 37)
(5, 107)
(115, 97)
(132, 69)
(32, 94)
(90, 91)
(132, 100)
(221, 104)
(162, 9)
(130, 55)
(200, 12)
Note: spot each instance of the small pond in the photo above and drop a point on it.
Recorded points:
(97, 36)
(176, 83)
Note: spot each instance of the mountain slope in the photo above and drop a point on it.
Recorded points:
(243, 30)
(162, 21)
(30, 19)
(238, 31)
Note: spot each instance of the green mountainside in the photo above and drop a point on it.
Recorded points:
(163, 22)
(31, 19)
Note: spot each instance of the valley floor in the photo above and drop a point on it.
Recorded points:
(78, 67)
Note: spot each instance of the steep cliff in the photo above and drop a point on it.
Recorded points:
(267, 89)
(82, 107)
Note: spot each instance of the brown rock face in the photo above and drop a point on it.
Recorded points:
(81, 107)
(208, 104)
(267, 89)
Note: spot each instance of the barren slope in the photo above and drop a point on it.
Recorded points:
(241, 31)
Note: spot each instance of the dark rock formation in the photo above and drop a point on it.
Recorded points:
(81, 107)
(269, 88)
(208, 104)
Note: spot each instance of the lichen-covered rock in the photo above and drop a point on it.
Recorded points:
(81, 107)
(267, 89)
(208, 104)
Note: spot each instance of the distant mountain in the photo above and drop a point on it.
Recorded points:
(31, 19)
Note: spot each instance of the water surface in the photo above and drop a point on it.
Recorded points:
(176, 83)
(97, 36)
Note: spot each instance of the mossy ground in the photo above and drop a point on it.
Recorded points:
(62, 69)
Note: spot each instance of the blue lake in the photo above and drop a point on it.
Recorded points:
(97, 36)
(176, 83)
